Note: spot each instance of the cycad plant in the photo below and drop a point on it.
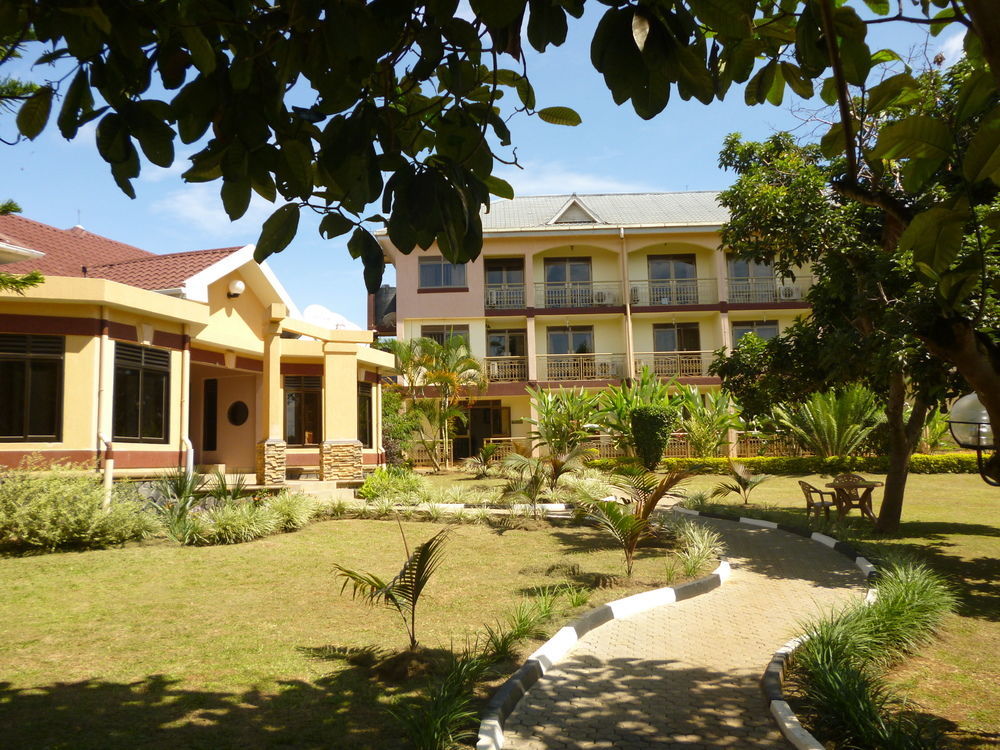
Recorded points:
(617, 402)
(479, 464)
(177, 494)
(833, 423)
(741, 481)
(708, 418)
(630, 524)
(403, 592)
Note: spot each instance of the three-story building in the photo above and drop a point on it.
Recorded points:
(584, 291)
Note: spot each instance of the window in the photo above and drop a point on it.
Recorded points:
(31, 373)
(505, 271)
(567, 270)
(303, 409)
(442, 333)
(672, 267)
(142, 394)
(506, 344)
(765, 329)
(748, 269)
(437, 273)
(676, 337)
(571, 340)
(365, 430)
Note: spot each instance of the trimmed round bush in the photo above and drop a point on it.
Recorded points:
(652, 426)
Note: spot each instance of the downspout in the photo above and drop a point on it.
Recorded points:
(103, 441)
(629, 341)
(185, 399)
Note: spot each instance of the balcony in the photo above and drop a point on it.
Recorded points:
(675, 364)
(506, 369)
(555, 367)
(562, 294)
(504, 297)
(650, 292)
(766, 290)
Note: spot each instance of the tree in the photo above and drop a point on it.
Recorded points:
(652, 426)
(10, 282)
(708, 418)
(332, 107)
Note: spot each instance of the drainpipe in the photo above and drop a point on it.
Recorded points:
(109, 467)
(185, 401)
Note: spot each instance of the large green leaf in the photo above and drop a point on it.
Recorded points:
(278, 231)
(559, 116)
(982, 157)
(883, 94)
(34, 113)
(935, 236)
(364, 246)
(235, 197)
(916, 137)
(726, 17)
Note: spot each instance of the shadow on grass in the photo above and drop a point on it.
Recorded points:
(341, 710)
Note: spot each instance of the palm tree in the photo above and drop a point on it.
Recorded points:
(741, 482)
(630, 523)
(479, 464)
(834, 423)
(403, 592)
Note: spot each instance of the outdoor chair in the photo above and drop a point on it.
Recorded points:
(815, 500)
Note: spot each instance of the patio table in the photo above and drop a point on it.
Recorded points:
(852, 493)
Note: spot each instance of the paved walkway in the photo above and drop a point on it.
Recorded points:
(686, 675)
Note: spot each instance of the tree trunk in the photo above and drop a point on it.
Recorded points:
(986, 23)
(903, 436)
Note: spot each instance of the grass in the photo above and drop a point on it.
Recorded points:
(951, 521)
(161, 646)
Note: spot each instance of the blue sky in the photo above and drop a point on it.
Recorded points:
(65, 183)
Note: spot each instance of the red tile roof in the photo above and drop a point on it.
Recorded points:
(160, 271)
(67, 251)
(77, 252)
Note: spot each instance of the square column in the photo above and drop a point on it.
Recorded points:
(271, 447)
(340, 452)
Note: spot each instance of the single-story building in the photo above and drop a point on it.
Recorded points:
(133, 362)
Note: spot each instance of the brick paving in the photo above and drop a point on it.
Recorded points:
(686, 675)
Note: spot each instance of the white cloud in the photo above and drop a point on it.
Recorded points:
(153, 173)
(553, 178)
(198, 207)
(951, 47)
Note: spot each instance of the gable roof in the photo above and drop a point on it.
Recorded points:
(66, 251)
(608, 209)
(157, 272)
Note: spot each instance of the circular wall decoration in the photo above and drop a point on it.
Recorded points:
(238, 413)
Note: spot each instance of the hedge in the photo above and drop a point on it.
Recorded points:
(920, 463)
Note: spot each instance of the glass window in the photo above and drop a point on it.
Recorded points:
(505, 271)
(747, 269)
(672, 267)
(365, 430)
(442, 333)
(565, 270)
(303, 409)
(141, 409)
(678, 337)
(31, 372)
(506, 344)
(571, 340)
(765, 329)
(437, 273)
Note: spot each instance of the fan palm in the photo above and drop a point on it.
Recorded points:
(403, 592)
(741, 482)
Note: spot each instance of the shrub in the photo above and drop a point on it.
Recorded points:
(840, 666)
(948, 463)
(234, 523)
(652, 426)
(62, 507)
(834, 423)
(293, 510)
(392, 482)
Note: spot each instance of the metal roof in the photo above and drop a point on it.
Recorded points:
(610, 209)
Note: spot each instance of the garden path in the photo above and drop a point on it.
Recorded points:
(686, 675)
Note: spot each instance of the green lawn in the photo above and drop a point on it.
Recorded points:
(161, 646)
(953, 522)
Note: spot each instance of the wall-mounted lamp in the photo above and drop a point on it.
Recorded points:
(970, 426)
(236, 288)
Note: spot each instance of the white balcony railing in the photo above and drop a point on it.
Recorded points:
(578, 294)
(648, 292)
(504, 296)
(555, 367)
(762, 291)
(675, 364)
(506, 369)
